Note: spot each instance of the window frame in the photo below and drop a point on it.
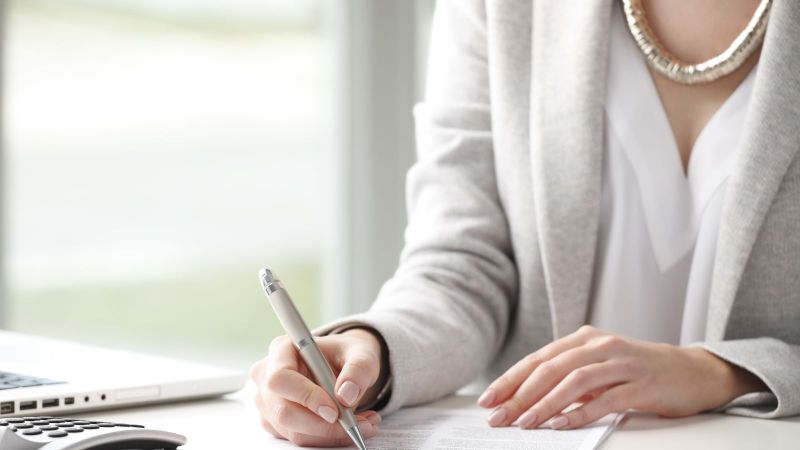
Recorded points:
(380, 47)
(3, 177)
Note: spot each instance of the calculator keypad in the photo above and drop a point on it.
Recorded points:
(56, 427)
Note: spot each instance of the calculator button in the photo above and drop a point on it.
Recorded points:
(57, 434)
(15, 421)
(41, 422)
(32, 432)
(48, 428)
(66, 424)
(22, 426)
(81, 422)
(73, 430)
(105, 425)
(129, 425)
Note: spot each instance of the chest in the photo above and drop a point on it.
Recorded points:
(689, 108)
(695, 32)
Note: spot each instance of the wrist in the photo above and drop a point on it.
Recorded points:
(732, 380)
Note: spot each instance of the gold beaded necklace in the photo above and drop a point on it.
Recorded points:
(665, 63)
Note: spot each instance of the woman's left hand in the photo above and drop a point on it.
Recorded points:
(609, 373)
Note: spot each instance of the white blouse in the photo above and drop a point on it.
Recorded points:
(658, 227)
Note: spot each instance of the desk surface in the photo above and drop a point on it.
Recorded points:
(231, 422)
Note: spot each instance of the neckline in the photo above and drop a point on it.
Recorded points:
(673, 200)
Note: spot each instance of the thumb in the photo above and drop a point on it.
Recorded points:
(359, 372)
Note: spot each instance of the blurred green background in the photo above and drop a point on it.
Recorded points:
(149, 145)
(219, 315)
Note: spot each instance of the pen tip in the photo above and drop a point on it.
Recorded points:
(355, 435)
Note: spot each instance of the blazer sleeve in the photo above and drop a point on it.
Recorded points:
(444, 313)
(776, 363)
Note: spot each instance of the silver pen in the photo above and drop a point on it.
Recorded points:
(297, 330)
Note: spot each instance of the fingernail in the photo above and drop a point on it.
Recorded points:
(366, 427)
(348, 391)
(559, 422)
(497, 417)
(374, 418)
(527, 419)
(327, 413)
(486, 398)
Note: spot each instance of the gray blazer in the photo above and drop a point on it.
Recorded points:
(504, 204)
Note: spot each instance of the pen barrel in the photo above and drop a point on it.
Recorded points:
(323, 374)
(319, 367)
(295, 327)
(289, 317)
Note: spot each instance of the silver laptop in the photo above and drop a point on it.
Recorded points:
(40, 376)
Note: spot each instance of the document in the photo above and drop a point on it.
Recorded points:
(456, 424)
(466, 429)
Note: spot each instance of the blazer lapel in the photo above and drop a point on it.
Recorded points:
(569, 55)
(770, 141)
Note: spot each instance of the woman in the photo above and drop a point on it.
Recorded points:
(592, 219)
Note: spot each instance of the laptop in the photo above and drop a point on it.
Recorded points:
(41, 376)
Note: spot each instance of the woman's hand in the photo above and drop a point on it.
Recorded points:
(609, 373)
(295, 408)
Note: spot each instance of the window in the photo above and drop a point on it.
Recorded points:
(157, 154)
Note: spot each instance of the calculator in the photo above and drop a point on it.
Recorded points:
(58, 433)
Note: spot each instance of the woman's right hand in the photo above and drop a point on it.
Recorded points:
(293, 407)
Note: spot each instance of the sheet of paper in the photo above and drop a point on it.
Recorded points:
(462, 429)
(456, 424)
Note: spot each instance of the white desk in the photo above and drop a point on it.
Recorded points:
(231, 423)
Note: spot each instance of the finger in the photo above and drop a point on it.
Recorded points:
(294, 418)
(257, 370)
(504, 387)
(370, 416)
(293, 386)
(270, 429)
(550, 373)
(586, 398)
(264, 422)
(359, 372)
(261, 406)
(576, 384)
(283, 379)
(316, 441)
(306, 440)
(544, 378)
(614, 400)
(282, 355)
(282, 358)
